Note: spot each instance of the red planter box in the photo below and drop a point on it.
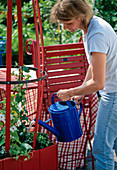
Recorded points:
(42, 159)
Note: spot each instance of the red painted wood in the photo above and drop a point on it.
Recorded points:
(42, 159)
(61, 59)
(66, 72)
(65, 66)
(58, 47)
(39, 94)
(11, 164)
(20, 33)
(8, 73)
(65, 52)
(33, 163)
(47, 158)
(54, 88)
(1, 164)
(64, 46)
(65, 79)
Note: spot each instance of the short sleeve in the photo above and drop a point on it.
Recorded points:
(98, 43)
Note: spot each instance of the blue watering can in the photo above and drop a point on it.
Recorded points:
(65, 119)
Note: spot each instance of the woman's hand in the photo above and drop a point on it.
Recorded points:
(64, 95)
(77, 99)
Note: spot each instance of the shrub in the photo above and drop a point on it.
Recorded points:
(107, 9)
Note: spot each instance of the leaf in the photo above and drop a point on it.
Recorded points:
(2, 131)
(2, 142)
(26, 69)
(1, 123)
(16, 157)
(16, 137)
(26, 146)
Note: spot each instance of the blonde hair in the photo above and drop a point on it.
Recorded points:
(66, 10)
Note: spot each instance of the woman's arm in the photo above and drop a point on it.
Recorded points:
(88, 75)
(94, 81)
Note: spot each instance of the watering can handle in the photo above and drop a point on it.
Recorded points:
(52, 98)
(80, 109)
(68, 102)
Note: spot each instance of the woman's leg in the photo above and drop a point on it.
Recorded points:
(105, 132)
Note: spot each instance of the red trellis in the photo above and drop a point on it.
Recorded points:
(71, 154)
(9, 63)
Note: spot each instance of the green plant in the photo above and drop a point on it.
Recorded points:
(107, 9)
(27, 26)
(21, 139)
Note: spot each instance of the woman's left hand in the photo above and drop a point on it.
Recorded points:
(64, 95)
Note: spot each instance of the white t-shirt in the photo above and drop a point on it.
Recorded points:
(102, 38)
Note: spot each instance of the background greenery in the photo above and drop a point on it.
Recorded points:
(52, 33)
(107, 9)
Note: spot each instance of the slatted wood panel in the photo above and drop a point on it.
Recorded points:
(65, 65)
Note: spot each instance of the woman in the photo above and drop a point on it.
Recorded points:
(100, 43)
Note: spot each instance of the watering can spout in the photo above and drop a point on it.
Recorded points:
(49, 128)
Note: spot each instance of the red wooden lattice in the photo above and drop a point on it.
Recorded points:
(32, 95)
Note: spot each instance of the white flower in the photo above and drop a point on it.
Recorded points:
(19, 123)
(19, 106)
(31, 124)
(12, 137)
(2, 118)
(11, 117)
(13, 128)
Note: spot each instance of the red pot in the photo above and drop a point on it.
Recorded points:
(42, 159)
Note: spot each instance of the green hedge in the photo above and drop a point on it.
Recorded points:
(107, 9)
(28, 28)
